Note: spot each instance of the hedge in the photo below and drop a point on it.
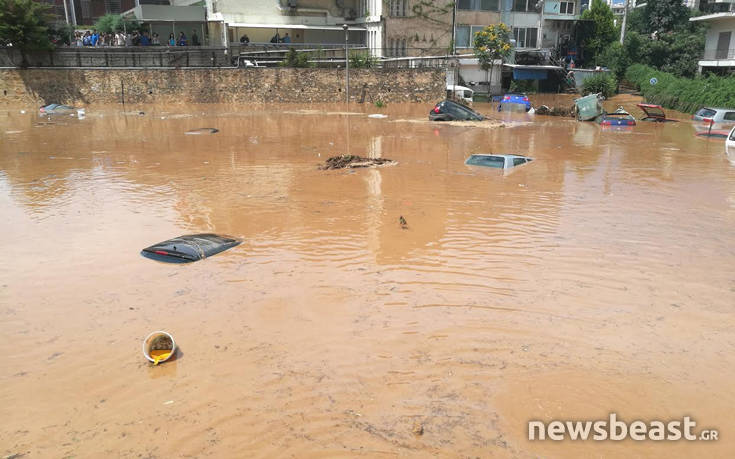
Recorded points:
(682, 94)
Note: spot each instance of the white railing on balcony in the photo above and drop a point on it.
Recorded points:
(713, 54)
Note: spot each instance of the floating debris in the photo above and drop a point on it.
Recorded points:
(202, 131)
(158, 347)
(403, 222)
(554, 111)
(354, 161)
(377, 115)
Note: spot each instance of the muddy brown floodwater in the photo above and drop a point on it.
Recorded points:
(599, 278)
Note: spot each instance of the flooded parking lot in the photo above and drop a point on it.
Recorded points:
(598, 278)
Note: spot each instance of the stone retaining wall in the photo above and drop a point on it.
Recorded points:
(213, 85)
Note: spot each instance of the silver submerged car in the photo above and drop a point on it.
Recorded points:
(715, 115)
(497, 161)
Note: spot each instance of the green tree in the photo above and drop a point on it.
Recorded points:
(23, 25)
(111, 23)
(603, 32)
(665, 15)
(490, 44)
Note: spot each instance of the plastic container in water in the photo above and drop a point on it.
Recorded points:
(159, 347)
(81, 113)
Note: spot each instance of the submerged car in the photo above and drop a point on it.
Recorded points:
(655, 113)
(497, 161)
(730, 147)
(514, 102)
(448, 110)
(56, 108)
(715, 115)
(186, 249)
(617, 118)
(707, 131)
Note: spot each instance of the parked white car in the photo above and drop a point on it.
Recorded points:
(460, 92)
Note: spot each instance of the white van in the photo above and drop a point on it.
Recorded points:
(462, 93)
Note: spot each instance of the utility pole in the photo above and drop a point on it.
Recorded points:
(540, 43)
(347, 65)
(454, 27)
(72, 13)
(625, 19)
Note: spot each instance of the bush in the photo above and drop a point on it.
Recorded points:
(683, 94)
(522, 86)
(362, 61)
(294, 59)
(604, 83)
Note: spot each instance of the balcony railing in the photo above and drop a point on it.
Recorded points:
(714, 54)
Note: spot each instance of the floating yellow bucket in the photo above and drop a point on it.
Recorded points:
(159, 346)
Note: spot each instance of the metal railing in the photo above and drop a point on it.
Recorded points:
(143, 57)
(324, 55)
(718, 53)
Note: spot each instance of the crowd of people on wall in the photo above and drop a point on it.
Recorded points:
(136, 38)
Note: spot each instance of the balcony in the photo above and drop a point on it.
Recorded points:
(717, 57)
(712, 54)
(561, 10)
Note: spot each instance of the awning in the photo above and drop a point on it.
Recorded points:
(294, 26)
(166, 13)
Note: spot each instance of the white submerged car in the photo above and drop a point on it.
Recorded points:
(497, 161)
(730, 147)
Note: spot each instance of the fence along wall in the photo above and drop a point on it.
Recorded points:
(212, 85)
(138, 56)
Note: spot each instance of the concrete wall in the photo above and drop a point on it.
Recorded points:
(82, 87)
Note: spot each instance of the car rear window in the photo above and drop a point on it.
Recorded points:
(461, 112)
(730, 116)
(706, 113)
(487, 161)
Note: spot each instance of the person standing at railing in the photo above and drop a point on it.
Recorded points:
(244, 40)
(194, 38)
(155, 41)
(286, 39)
(182, 39)
(171, 40)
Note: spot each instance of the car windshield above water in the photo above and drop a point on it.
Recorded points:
(497, 161)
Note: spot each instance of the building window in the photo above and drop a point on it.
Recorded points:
(479, 5)
(525, 37)
(466, 35)
(398, 8)
(566, 8)
(523, 5)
